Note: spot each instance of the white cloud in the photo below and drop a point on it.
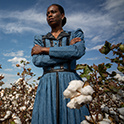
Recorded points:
(28, 16)
(94, 48)
(114, 4)
(18, 53)
(98, 26)
(18, 28)
(14, 41)
(9, 78)
(95, 58)
(16, 59)
(8, 69)
(20, 21)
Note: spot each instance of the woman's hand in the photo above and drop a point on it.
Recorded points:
(37, 49)
(75, 40)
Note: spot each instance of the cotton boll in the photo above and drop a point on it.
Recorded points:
(88, 118)
(88, 98)
(8, 113)
(19, 80)
(100, 117)
(106, 115)
(122, 117)
(31, 107)
(87, 90)
(74, 85)
(17, 96)
(22, 108)
(102, 106)
(14, 103)
(80, 99)
(112, 112)
(103, 122)
(84, 122)
(121, 111)
(77, 106)
(71, 104)
(1, 93)
(83, 99)
(67, 93)
(107, 120)
(75, 94)
(105, 109)
(16, 119)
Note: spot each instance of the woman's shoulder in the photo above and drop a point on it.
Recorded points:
(77, 32)
(38, 37)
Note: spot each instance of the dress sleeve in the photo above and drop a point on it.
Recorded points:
(74, 51)
(42, 60)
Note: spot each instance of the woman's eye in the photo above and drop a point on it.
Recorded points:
(53, 11)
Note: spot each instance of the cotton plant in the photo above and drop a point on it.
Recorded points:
(117, 113)
(100, 119)
(16, 102)
(19, 104)
(80, 93)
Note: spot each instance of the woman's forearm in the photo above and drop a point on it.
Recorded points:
(46, 50)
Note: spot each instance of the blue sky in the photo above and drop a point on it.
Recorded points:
(21, 20)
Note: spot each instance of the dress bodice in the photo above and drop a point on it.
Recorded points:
(61, 54)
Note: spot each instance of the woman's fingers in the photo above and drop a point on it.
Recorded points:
(37, 49)
(75, 40)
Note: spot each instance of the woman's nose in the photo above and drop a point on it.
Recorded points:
(50, 14)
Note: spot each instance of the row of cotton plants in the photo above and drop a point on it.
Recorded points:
(103, 95)
(17, 102)
(81, 93)
(102, 92)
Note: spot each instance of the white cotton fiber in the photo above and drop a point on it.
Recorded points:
(74, 85)
(71, 104)
(87, 90)
(67, 93)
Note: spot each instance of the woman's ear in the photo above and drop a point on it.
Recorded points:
(63, 15)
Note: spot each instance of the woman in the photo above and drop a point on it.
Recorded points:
(57, 53)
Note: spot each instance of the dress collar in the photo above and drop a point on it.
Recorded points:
(50, 36)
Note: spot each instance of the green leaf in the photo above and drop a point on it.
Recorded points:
(12, 122)
(108, 65)
(87, 69)
(85, 75)
(106, 48)
(113, 74)
(121, 68)
(80, 66)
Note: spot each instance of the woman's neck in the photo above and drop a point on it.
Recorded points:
(56, 31)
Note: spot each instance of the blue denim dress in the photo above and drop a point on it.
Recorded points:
(50, 106)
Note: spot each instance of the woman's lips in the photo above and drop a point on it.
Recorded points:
(51, 20)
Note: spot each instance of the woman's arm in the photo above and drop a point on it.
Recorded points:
(43, 56)
(37, 49)
(40, 59)
(74, 51)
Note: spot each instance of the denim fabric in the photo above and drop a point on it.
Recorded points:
(44, 111)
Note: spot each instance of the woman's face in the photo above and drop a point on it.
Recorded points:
(54, 17)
